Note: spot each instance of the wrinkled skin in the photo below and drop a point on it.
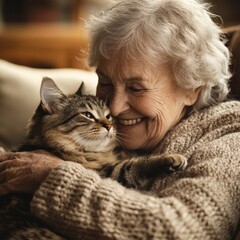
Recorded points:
(25, 171)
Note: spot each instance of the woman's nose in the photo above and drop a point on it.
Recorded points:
(118, 103)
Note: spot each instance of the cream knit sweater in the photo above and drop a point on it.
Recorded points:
(202, 202)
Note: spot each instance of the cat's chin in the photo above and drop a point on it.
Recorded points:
(100, 145)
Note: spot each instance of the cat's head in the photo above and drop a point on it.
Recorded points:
(72, 123)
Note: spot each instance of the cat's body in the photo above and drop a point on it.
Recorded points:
(75, 128)
(79, 129)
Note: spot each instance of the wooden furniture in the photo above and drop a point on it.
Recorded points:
(45, 45)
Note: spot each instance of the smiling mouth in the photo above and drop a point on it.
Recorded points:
(129, 122)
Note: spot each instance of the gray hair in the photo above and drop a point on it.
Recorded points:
(181, 32)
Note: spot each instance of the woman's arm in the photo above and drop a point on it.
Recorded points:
(202, 204)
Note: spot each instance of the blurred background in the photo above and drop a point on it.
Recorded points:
(52, 34)
(45, 11)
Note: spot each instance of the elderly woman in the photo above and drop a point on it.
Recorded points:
(163, 68)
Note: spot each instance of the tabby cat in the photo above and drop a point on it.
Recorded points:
(78, 128)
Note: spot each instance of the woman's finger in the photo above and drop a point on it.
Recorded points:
(13, 172)
(25, 171)
(7, 164)
(27, 183)
(6, 156)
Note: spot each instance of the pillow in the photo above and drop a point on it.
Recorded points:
(20, 95)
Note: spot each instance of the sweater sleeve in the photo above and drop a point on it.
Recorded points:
(80, 205)
(202, 203)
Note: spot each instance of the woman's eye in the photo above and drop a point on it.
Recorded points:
(135, 89)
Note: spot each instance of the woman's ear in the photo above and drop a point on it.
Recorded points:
(192, 96)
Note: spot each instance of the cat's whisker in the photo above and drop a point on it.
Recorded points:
(122, 136)
(119, 138)
(83, 134)
(79, 137)
(119, 143)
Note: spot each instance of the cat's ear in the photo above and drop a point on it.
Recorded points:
(80, 90)
(50, 95)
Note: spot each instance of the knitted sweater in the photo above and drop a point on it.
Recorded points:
(201, 202)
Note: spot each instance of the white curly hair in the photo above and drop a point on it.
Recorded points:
(180, 32)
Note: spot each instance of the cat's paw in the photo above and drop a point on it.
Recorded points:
(160, 164)
(175, 162)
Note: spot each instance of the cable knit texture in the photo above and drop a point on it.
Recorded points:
(201, 202)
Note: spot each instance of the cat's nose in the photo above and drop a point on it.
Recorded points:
(107, 126)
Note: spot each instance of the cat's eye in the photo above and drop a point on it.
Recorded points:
(108, 117)
(88, 115)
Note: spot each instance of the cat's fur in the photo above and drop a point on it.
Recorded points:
(80, 129)
(76, 128)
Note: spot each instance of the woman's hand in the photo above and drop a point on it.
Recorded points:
(23, 172)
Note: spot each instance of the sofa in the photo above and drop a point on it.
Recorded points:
(20, 95)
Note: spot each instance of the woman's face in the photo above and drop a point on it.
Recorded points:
(145, 101)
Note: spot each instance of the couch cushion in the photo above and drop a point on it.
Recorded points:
(19, 95)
